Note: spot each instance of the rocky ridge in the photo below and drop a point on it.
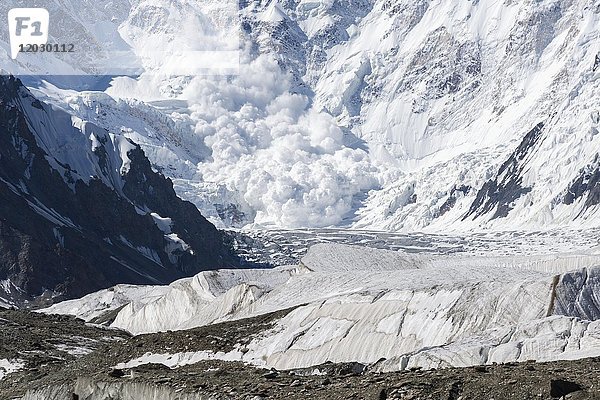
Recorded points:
(82, 209)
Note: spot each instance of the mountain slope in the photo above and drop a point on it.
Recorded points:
(387, 114)
(81, 209)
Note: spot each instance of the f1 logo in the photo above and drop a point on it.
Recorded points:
(28, 26)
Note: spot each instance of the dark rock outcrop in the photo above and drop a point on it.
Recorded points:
(587, 184)
(66, 231)
(497, 195)
(450, 202)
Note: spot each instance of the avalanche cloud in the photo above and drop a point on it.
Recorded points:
(282, 162)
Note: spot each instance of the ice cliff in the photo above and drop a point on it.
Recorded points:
(390, 308)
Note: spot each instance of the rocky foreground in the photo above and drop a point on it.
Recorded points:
(64, 358)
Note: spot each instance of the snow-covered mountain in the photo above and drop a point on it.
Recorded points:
(397, 115)
(81, 209)
(127, 37)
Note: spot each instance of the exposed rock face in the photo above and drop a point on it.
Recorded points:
(450, 202)
(498, 194)
(81, 209)
(587, 183)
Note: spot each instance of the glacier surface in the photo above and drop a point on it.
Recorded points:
(390, 309)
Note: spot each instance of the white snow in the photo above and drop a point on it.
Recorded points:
(206, 297)
(7, 291)
(402, 106)
(367, 116)
(95, 304)
(412, 310)
(78, 149)
(179, 359)
(74, 350)
(164, 224)
(9, 366)
(126, 37)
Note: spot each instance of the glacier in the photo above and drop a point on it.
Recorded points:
(98, 390)
(389, 309)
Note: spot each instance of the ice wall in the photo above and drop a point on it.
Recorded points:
(91, 389)
(357, 304)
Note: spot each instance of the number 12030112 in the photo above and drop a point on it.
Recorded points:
(47, 48)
